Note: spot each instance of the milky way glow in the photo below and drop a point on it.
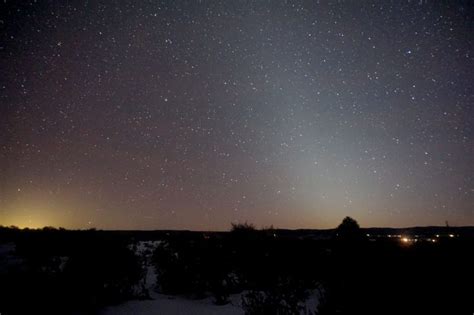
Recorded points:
(192, 115)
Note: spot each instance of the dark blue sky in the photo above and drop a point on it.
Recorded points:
(195, 114)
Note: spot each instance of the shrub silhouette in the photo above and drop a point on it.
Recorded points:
(287, 296)
(245, 226)
(103, 273)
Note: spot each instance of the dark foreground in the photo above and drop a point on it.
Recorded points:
(357, 271)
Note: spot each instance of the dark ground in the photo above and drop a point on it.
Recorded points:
(360, 271)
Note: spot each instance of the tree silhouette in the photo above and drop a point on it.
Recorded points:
(349, 230)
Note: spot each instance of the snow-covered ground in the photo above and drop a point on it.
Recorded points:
(177, 305)
(165, 304)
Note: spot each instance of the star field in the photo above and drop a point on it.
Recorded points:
(195, 114)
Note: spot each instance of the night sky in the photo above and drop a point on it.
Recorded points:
(196, 114)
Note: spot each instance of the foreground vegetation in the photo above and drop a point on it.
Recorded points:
(57, 271)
